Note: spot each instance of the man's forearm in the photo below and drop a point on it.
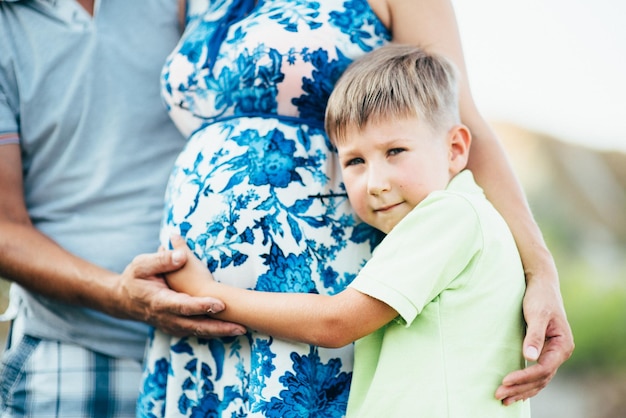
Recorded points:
(37, 263)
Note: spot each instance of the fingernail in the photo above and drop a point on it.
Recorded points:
(177, 256)
(531, 353)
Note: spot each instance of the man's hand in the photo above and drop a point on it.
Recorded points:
(549, 342)
(145, 297)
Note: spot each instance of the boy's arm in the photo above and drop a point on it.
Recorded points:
(327, 321)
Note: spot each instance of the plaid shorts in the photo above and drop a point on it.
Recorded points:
(41, 378)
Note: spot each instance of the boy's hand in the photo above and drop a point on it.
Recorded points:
(194, 277)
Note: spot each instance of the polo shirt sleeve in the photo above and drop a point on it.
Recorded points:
(8, 115)
(425, 254)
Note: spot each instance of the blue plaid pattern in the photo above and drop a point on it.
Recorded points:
(42, 378)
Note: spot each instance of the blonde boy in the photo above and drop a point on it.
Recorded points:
(437, 311)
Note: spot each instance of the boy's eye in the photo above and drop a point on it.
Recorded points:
(354, 161)
(395, 151)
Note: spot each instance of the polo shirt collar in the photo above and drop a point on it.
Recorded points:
(66, 10)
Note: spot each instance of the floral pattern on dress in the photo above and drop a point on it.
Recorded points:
(257, 194)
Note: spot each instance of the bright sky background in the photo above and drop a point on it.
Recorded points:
(554, 66)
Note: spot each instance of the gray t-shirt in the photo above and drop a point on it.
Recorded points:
(83, 96)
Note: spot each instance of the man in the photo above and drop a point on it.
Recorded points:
(85, 151)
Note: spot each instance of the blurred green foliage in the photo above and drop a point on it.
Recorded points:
(594, 295)
(597, 315)
(4, 293)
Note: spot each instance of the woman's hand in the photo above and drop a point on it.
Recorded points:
(549, 341)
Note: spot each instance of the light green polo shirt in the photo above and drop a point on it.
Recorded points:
(452, 271)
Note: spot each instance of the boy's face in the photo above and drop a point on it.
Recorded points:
(389, 167)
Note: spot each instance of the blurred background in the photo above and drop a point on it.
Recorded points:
(551, 77)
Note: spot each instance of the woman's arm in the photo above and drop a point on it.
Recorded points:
(327, 321)
(431, 24)
(182, 14)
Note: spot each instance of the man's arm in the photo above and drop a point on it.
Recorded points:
(37, 263)
(327, 321)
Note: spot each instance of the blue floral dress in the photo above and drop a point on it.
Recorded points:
(258, 196)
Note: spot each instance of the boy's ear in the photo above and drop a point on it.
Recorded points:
(459, 141)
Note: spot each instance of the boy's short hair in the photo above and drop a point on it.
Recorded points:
(394, 81)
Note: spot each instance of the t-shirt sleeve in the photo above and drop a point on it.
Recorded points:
(423, 255)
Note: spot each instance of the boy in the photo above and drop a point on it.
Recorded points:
(446, 278)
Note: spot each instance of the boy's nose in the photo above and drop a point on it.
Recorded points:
(377, 183)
